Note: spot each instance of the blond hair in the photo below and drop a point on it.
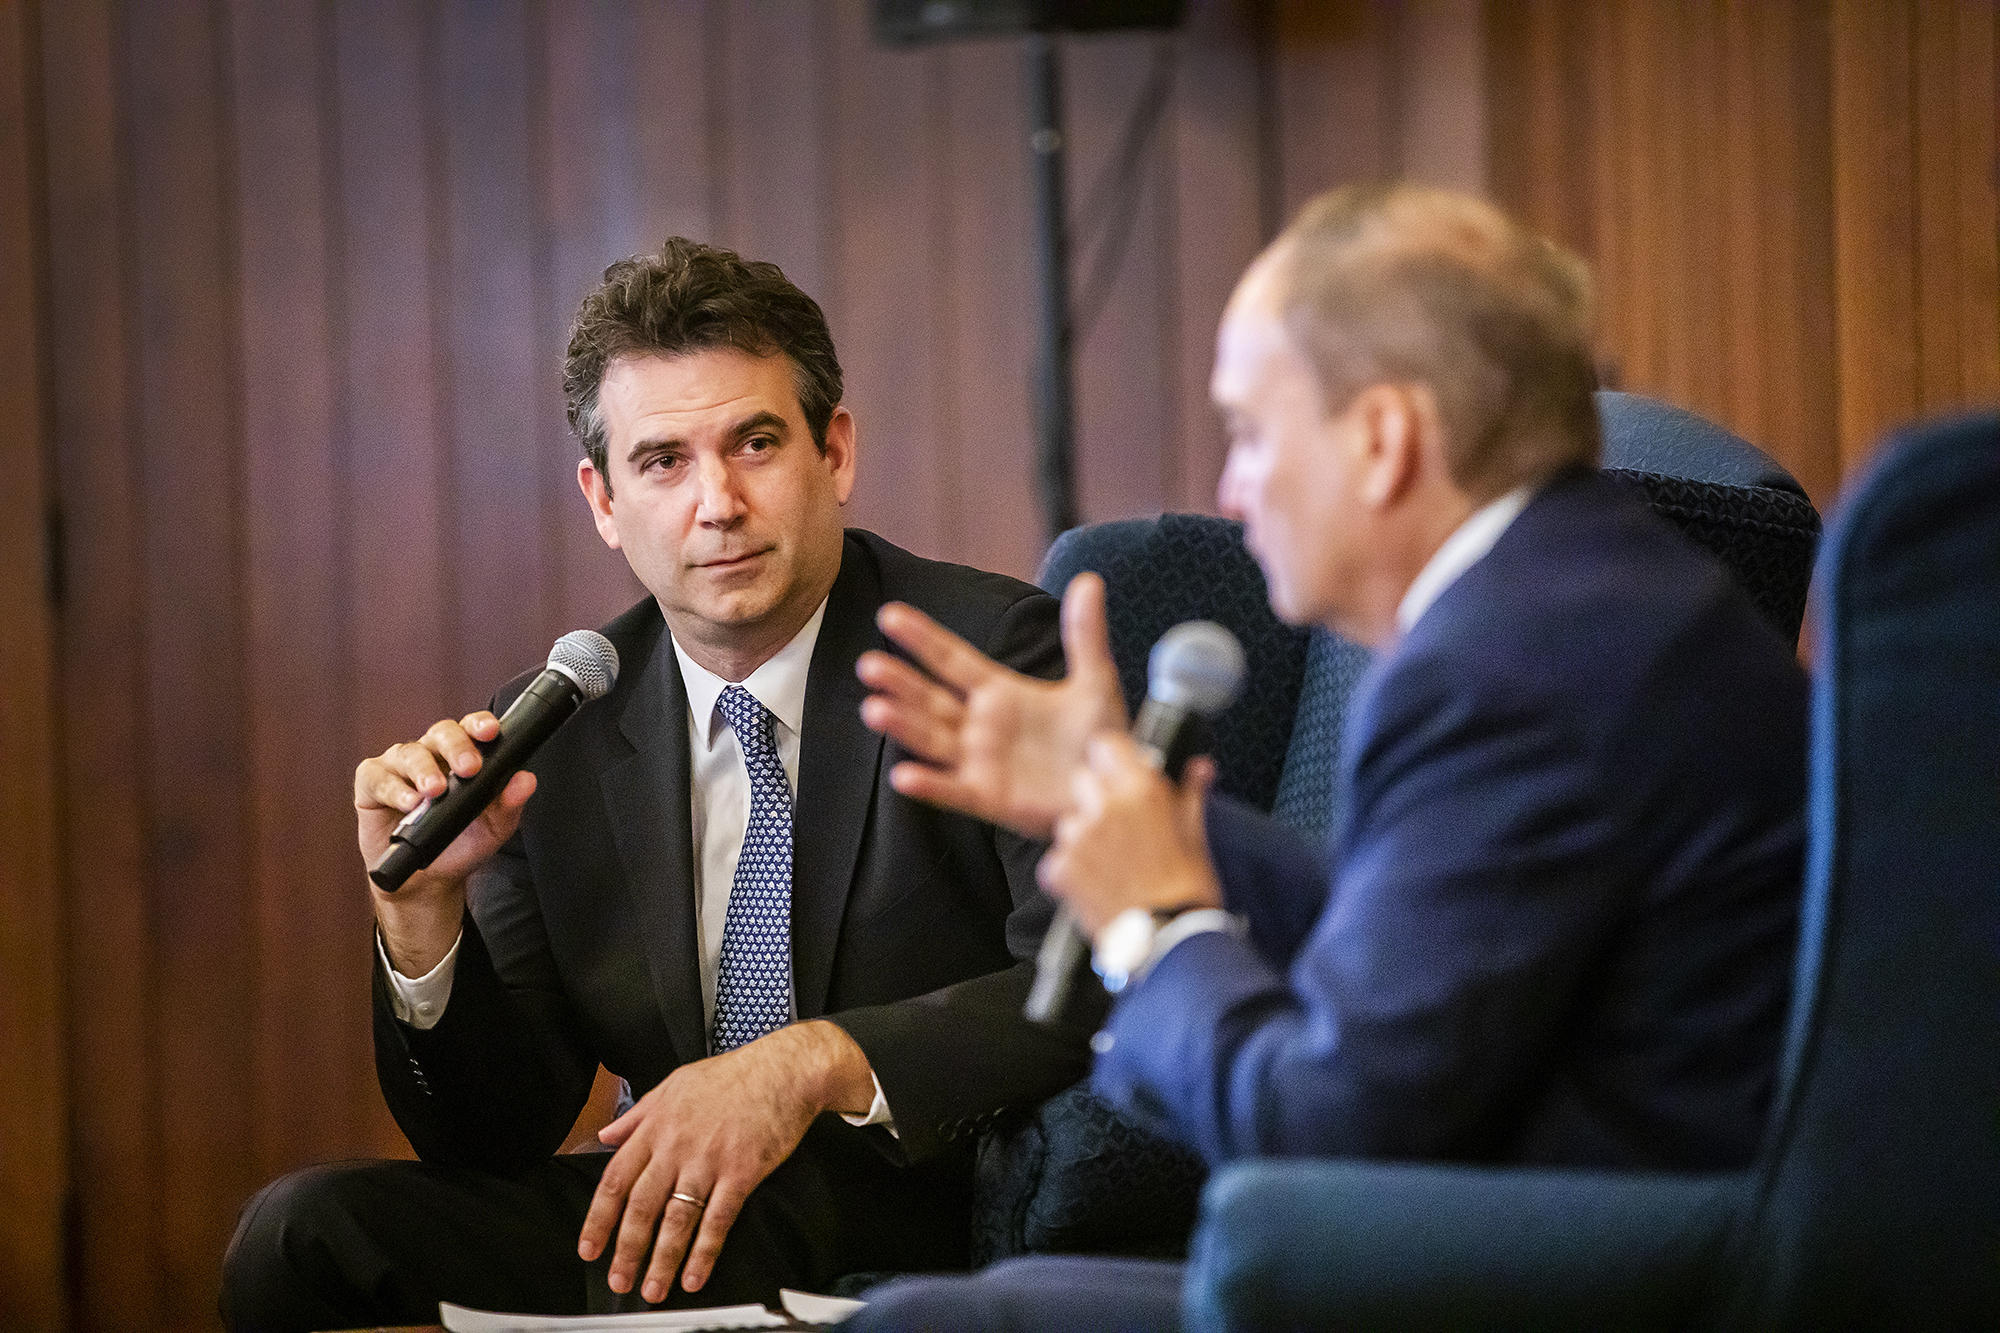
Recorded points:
(1394, 283)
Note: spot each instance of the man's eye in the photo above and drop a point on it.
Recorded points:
(661, 463)
(758, 444)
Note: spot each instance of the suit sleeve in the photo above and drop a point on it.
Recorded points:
(1423, 1003)
(953, 1061)
(501, 1078)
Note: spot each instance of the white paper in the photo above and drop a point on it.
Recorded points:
(461, 1319)
(810, 1309)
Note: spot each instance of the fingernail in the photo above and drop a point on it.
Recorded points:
(620, 1283)
(654, 1294)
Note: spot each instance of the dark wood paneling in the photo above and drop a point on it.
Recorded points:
(113, 1056)
(886, 306)
(34, 1117)
(186, 423)
(495, 351)
(1125, 356)
(403, 570)
(311, 907)
(992, 303)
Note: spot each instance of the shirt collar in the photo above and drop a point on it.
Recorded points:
(1467, 545)
(779, 684)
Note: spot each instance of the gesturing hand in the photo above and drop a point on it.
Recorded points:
(691, 1150)
(989, 741)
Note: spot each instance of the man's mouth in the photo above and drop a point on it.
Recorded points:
(725, 563)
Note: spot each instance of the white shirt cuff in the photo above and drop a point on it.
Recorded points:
(1188, 924)
(878, 1110)
(420, 1002)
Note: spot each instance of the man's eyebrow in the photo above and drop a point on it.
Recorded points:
(766, 420)
(756, 421)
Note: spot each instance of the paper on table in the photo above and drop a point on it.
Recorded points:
(462, 1319)
(810, 1309)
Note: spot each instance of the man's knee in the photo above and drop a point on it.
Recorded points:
(283, 1256)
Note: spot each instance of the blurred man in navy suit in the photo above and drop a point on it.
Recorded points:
(1556, 922)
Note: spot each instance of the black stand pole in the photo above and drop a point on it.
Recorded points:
(1054, 396)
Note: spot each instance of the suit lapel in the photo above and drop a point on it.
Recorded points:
(647, 798)
(839, 765)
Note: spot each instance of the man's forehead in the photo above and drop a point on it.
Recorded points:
(701, 380)
(1252, 328)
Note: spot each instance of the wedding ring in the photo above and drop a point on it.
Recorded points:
(689, 1198)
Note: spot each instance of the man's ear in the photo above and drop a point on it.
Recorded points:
(841, 447)
(1392, 423)
(596, 489)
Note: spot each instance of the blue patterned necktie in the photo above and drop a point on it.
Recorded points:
(753, 986)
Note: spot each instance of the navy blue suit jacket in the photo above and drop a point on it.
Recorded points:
(1560, 917)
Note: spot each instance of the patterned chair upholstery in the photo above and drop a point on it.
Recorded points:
(1076, 1177)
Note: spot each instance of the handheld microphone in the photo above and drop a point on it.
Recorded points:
(1195, 670)
(582, 666)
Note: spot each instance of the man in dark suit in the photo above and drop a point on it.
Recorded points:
(1559, 918)
(813, 983)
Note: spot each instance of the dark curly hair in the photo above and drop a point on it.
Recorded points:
(689, 297)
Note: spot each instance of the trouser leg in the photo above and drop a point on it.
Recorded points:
(365, 1243)
(358, 1243)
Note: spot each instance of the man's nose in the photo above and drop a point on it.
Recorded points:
(721, 499)
(1229, 487)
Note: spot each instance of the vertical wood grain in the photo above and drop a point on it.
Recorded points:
(505, 604)
(991, 315)
(1123, 401)
(113, 1060)
(401, 565)
(186, 419)
(1874, 201)
(311, 909)
(34, 1103)
(891, 333)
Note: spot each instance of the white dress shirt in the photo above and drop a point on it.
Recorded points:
(1467, 546)
(719, 798)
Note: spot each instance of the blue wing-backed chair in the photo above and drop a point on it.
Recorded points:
(1876, 1202)
(1077, 1177)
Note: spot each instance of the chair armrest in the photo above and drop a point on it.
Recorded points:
(1326, 1243)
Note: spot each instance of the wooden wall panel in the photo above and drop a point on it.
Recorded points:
(185, 419)
(309, 265)
(1789, 207)
(311, 913)
(884, 293)
(496, 361)
(34, 1099)
(100, 645)
(991, 312)
(1125, 355)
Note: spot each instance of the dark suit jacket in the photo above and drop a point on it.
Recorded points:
(912, 928)
(1561, 923)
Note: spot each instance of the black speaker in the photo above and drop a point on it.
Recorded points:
(906, 22)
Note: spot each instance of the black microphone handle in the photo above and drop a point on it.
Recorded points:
(531, 719)
(1065, 952)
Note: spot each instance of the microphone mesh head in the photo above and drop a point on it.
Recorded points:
(1197, 667)
(587, 658)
